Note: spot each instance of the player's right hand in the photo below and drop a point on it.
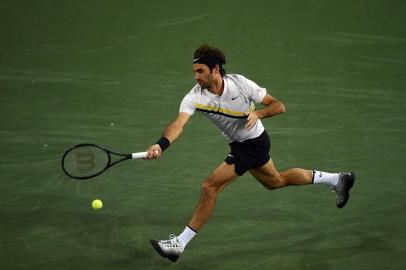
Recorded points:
(154, 152)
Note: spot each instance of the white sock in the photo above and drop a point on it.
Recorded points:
(330, 179)
(186, 236)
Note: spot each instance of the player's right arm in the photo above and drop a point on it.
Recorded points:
(171, 133)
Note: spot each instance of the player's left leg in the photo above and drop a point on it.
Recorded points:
(341, 183)
(270, 178)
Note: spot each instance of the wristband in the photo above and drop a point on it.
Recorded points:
(163, 143)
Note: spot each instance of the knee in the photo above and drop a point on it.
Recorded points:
(209, 190)
(275, 182)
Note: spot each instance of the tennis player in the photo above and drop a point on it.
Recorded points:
(228, 100)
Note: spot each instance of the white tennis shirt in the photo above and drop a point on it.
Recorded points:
(228, 110)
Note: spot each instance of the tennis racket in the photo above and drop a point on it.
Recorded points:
(84, 161)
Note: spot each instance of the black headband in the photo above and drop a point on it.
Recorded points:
(210, 62)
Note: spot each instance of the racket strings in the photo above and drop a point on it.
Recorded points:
(85, 161)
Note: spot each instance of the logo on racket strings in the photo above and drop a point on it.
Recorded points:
(85, 162)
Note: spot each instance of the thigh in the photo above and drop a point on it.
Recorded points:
(222, 176)
(266, 174)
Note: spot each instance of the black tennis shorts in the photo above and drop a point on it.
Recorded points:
(249, 154)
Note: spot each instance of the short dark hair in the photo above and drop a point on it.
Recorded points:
(215, 55)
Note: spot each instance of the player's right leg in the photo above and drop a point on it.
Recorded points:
(223, 175)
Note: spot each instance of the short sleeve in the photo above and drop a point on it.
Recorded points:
(255, 92)
(187, 105)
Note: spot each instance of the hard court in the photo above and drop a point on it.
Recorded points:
(114, 73)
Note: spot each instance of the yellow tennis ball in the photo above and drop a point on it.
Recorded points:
(97, 204)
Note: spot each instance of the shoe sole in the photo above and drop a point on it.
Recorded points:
(351, 182)
(158, 249)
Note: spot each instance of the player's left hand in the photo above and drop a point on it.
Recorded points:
(251, 119)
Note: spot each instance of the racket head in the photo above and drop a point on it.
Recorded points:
(86, 160)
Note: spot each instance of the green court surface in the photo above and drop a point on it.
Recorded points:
(114, 73)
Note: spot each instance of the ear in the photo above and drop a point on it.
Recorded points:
(216, 69)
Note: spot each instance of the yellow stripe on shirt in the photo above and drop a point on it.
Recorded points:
(217, 109)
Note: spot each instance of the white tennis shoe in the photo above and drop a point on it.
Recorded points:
(170, 249)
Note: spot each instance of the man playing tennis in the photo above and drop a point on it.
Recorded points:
(228, 100)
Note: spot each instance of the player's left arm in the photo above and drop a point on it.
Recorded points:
(272, 107)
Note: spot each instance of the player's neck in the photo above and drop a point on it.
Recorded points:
(217, 87)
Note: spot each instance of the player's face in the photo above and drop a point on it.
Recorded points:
(203, 76)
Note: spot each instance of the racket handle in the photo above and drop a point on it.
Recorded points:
(139, 155)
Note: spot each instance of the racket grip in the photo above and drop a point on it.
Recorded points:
(139, 155)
